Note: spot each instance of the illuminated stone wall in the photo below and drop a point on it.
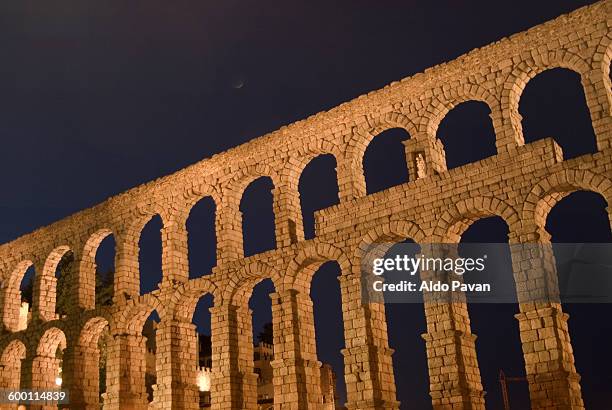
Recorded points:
(521, 183)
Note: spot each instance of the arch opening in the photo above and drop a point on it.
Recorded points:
(258, 224)
(47, 366)
(93, 345)
(150, 255)
(493, 322)
(138, 327)
(149, 332)
(467, 134)
(56, 279)
(27, 285)
(329, 324)
(405, 323)
(553, 105)
(19, 297)
(10, 365)
(105, 271)
(318, 187)
(262, 340)
(65, 280)
(585, 206)
(96, 270)
(202, 239)
(204, 364)
(384, 160)
(581, 218)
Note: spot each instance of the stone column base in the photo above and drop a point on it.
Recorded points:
(549, 360)
(373, 405)
(233, 390)
(555, 391)
(460, 400)
(176, 396)
(128, 401)
(454, 375)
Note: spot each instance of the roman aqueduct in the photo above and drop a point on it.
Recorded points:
(521, 184)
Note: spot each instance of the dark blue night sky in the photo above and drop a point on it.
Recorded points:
(96, 98)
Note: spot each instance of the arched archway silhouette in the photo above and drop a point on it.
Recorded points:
(384, 161)
(553, 105)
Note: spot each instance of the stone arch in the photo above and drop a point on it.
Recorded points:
(127, 235)
(228, 218)
(198, 191)
(10, 364)
(87, 269)
(397, 229)
(393, 231)
(52, 339)
(133, 315)
(152, 202)
(304, 265)
(182, 208)
(598, 91)
(140, 217)
(91, 330)
(378, 242)
(455, 220)
(129, 343)
(11, 295)
(186, 297)
(353, 285)
(136, 234)
(384, 236)
(53, 260)
(140, 313)
(323, 263)
(603, 57)
(363, 135)
(523, 72)
(46, 366)
(243, 178)
(233, 195)
(303, 185)
(387, 121)
(190, 221)
(85, 364)
(184, 309)
(293, 167)
(45, 284)
(14, 348)
(241, 285)
(441, 105)
(548, 191)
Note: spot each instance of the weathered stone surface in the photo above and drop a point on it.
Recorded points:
(520, 183)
